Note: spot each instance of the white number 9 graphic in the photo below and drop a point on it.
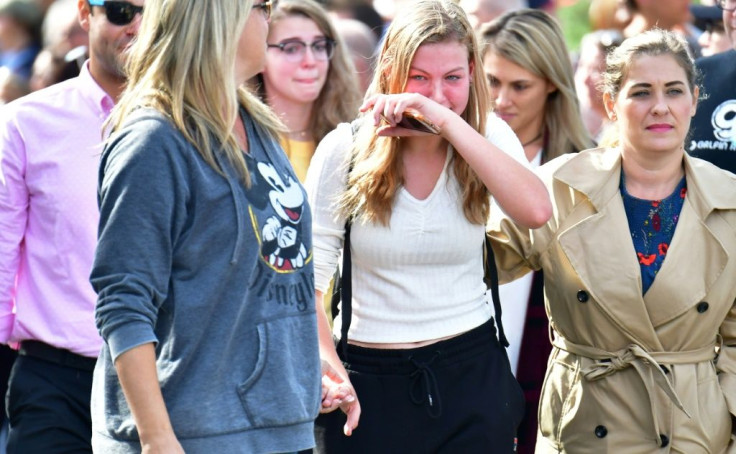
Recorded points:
(724, 121)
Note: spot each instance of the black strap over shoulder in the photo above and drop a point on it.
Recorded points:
(344, 293)
(491, 280)
(342, 289)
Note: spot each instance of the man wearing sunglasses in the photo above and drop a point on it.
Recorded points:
(713, 128)
(50, 144)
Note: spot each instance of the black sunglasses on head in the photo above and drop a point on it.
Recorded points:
(118, 12)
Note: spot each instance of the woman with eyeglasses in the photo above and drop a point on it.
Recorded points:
(309, 79)
(203, 266)
(409, 209)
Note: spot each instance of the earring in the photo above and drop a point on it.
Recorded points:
(614, 117)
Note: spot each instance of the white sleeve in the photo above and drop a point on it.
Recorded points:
(325, 183)
(501, 135)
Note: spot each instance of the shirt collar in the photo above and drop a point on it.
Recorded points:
(596, 173)
(94, 92)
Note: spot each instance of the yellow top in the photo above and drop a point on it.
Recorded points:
(300, 154)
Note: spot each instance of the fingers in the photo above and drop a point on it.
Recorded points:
(332, 402)
(353, 413)
(335, 395)
(336, 391)
(391, 108)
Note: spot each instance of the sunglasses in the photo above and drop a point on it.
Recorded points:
(118, 12)
(266, 7)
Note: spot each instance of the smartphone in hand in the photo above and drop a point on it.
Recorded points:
(417, 122)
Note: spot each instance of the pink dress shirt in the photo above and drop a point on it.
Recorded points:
(50, 145)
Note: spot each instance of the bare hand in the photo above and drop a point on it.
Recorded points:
(391, 110)
(338, 392)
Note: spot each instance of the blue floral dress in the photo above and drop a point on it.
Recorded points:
(652, 224)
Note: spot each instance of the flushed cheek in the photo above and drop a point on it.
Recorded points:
(458, 96)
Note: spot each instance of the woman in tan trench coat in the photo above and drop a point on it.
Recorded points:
(640, 301)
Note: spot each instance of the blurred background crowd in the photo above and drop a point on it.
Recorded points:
(41, 42)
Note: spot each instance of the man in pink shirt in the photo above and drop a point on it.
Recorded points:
(50, 144)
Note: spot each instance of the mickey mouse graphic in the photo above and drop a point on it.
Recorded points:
(281, 244)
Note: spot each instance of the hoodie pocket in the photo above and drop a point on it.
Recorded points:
(284, 388)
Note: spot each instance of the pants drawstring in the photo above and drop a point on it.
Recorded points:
(423, 375)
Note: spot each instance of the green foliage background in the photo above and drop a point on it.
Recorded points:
(574, 21)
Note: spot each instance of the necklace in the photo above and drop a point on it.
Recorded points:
(538, 136)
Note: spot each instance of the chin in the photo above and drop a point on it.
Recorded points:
(308, 97)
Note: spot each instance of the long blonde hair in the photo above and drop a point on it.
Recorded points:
(339, 99)
(183, 65)
(533, 40)
(377, 173)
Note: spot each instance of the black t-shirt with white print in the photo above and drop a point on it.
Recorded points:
(713, 129)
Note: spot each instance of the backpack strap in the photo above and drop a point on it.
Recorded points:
(342, 289)
(491, 280)
(345, 293)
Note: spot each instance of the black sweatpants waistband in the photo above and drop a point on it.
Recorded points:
(442, 353)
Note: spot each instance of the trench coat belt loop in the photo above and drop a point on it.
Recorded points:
(645, 363)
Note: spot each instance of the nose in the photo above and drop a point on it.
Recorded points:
(660, 106)
(438, 93)
(308, 58)
(502, 97)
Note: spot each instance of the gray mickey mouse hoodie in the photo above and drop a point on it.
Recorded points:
(220, 277)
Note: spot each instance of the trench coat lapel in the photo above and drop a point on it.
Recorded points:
(600, 249)
(676, 289)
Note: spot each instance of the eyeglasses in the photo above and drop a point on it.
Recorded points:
(266, 7)
(294, 51)
(118, 13)
(728, 5)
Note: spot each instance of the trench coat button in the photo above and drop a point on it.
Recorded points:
(582, 296)
(702, 307)
(601, 431)
(665, 440)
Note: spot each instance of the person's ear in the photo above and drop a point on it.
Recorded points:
(83, 13)
(696, 94)
(608, 103)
